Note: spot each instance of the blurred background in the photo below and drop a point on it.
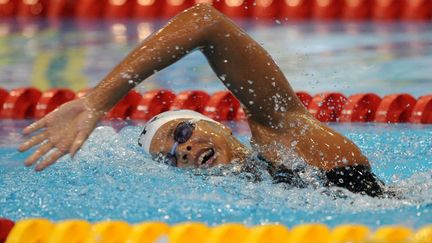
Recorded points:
(349, 46)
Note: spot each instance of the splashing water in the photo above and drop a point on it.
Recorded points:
(112, 178)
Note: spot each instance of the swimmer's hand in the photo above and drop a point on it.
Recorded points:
(62, 131)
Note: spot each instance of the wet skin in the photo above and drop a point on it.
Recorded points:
(277, 119)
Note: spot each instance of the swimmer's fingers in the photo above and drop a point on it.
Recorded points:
(34, 126)
(80, 138)
(43, 149)
(37, 139)
(51, 159)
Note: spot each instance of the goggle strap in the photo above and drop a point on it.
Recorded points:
(174, 148)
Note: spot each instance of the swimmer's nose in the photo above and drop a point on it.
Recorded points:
(184, 153)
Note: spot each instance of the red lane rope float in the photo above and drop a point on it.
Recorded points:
(60, 9)
(118, 9)
(7, 8)
(304, 97)
(6, 226)
(35, 8)
(387, 9)
(357, 10)
(395, 108)
(192, 100)
(3, 95)
(269, 9)
(360, 108)
(222, 106)
(241, 115)
(172, 7)
(153, 103)
(422, 112)
(52, 99)
(327, 9)
(147, 8)
(21, 103)
(296, 9)
(234, 8)
(266, 9)
(327, 107)
(291, 9)
(126, 106)
(86, 9)
(417, 10)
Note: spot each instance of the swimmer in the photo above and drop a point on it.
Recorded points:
(277, 119)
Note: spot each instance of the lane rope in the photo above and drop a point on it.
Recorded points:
(418, 10)
(31, 103)
(43, 230)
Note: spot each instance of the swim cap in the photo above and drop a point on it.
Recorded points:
(153, 125)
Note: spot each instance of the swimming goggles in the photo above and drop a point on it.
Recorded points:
(182, 133)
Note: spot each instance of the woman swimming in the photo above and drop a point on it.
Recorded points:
(277, 119)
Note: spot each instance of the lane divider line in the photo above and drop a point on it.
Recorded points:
(29, 103)
(74, 230)
(418, 10)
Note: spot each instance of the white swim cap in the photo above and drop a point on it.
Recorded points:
(153, 125)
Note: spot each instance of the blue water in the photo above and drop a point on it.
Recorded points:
(384, 57)
(112, 178)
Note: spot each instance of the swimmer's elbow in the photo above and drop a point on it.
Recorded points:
(203, 8)
(205, 12)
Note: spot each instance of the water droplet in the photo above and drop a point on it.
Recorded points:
(344, 160)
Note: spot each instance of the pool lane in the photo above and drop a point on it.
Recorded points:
(316, 57)
(112, 178)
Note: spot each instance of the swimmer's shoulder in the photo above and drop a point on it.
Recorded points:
(318, 144)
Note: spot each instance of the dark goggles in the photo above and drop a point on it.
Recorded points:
(182, 133)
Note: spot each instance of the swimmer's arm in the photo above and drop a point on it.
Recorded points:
(247, 66)
(241, 64)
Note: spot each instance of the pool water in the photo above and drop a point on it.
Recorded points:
(112, 178)
(383, 57)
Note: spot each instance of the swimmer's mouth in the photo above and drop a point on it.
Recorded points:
(207, 157)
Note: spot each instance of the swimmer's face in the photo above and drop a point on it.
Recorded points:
(209, 145)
